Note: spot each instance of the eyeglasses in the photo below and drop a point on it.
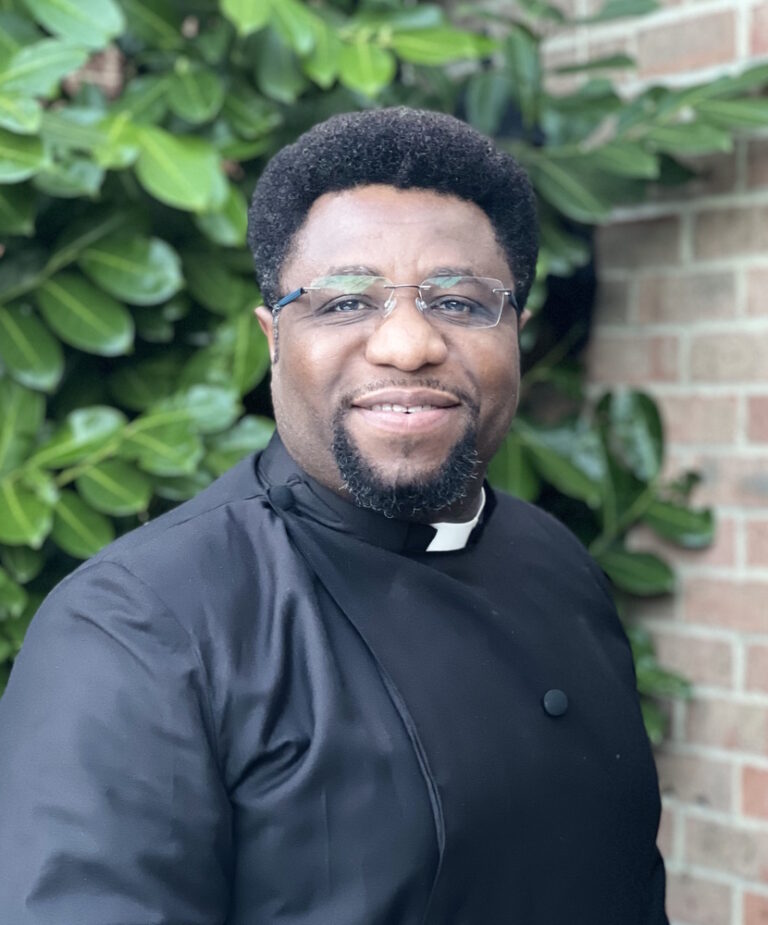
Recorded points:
(468, 301)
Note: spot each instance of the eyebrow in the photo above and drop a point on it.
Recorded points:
(359, 269)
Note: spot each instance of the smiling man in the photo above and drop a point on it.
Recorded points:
(348, 684)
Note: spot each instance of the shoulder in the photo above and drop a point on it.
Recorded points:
(546, 539)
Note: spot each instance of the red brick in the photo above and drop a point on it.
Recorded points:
(730, 232)
(755, 909)
(739, 605)
(702, 661)
(633, 359)
(611, 302)
(715, 174)
(757, 292)
(722, 847)
(754, 789)
(722, 551)
(727, 724)
(696, 901)
(639, 244)
(726, 480)
(757, 544)
(757, 150)
(757, 667)
(686, 297)
(759, 30)
(731, 356)
(687, 45)
(699, 418)
(695, 780)
(667, 829)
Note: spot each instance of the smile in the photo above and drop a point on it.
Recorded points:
(403, 409)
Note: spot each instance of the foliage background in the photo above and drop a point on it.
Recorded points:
(132, 371)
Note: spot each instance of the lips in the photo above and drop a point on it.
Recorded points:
(406, 401)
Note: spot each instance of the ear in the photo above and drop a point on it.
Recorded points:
(267, 325)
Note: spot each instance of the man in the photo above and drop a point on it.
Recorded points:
(348, 684)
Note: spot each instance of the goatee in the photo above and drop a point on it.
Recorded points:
(429, 494)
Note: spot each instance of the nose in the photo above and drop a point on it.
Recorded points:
(405, 339)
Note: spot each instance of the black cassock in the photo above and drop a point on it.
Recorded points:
(270, 707)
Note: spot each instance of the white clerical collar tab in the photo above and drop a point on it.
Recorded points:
(452, 536)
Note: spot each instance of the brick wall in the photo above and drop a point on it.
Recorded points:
(683, 313)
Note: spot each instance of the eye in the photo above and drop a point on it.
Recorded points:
(346, 307)
(453, 305)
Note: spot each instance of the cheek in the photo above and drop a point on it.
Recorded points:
(309, 367)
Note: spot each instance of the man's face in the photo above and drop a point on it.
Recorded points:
(329, 383)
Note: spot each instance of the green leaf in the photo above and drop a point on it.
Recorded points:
(23, 564)
(71, 179)
(239, 357)
(163, 443)
(78, 529)
(619, 9)
(228, 225)
(249, 435)
(21, 415)
(278, 70)
(136, 269)
(152, 327)
(655, 720)
(692, 529)
(13, 598)
(215, 286)
(181, 171)
(182, 487)
(16, 30)
(366, 67)
(21, 156)
(36, 70)
(634, 432)
(488, 98)
(25, 519)
(609, 62)
(655, 681)
(156, 22)
(195, 92)
(688, 138)
(20, 114)
(440, 45)
(137, 385)
(145, 99)
(297, 24)
(31, 355)
(639, 573)
(84, 316)
(322, 65)
(511, 470)
(247, 15)
(208, 408)
(17, 211)
(567, 457)
(734, 114)
(84, 431)
(249, 114)
(88, 22)
(523, 64)
(115, 487)
(84, 232)
(566, 191)
(626, 159)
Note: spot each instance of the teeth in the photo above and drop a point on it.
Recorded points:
(402, 409)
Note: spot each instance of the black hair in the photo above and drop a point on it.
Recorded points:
(401, 147)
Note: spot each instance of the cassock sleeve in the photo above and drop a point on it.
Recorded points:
(111, 804)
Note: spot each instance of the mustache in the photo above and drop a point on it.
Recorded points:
(349, 398)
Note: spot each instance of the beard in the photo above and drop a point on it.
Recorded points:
(426, 494)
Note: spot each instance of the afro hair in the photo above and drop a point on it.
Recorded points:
(401, 147)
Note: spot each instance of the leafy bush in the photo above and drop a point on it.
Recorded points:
(132, 371)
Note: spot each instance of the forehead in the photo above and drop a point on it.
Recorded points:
(396, 231)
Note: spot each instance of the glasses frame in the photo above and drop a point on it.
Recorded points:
(420, 303)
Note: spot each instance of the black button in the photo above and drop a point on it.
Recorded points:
(281, 497)
(555, 702)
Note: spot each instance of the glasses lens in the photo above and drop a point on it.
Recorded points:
(465, 300)
(346, 299)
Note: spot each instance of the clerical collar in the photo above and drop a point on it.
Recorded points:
(291, 492)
